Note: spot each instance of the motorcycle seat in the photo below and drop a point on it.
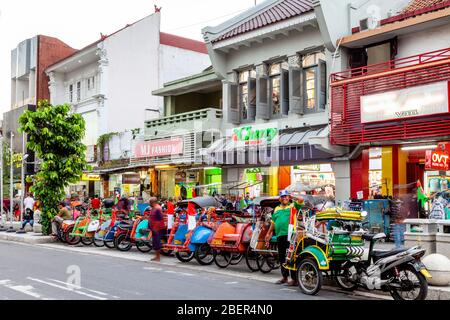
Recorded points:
(380, 254)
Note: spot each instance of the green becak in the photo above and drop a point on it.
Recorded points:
(55, 135)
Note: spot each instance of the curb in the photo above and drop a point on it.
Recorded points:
(29, 238)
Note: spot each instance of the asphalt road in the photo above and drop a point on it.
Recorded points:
(49, 273)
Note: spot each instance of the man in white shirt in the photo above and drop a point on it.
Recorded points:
(28, 202)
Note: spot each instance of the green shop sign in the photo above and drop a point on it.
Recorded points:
(251, 135)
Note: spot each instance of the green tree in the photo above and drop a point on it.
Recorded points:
(55, 135)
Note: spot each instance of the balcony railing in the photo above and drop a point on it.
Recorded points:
(397, 64)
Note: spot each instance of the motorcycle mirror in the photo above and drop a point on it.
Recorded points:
(364, 214)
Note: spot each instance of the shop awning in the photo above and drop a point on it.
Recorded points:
(291, 147)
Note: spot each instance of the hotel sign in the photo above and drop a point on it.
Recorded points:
(406, 103)
(159, 148)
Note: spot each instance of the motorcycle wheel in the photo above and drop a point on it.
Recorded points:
(185, 256)
(222, 259)
(122, 243)
(72, 240)
(236, 258)
(309, 276)
(99, 243)
(203, 254)
(250, 260)
(343, 280)
(144, 247)
(109, 244)
(87, 241)
(406, 279)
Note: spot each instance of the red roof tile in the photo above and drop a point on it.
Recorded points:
(283, 10)
(422, 4)
(183, 43)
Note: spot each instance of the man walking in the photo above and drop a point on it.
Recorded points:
(280, 224)
(156, 223)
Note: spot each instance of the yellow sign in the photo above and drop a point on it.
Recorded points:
(126, 189)
(90, 177)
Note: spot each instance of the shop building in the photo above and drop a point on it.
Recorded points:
(391, 106)
(274, 64)
(170, 145)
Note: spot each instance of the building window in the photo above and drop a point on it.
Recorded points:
(91, 83)
(275, 79)
(247, 96)
(71, 93)
(78, 91)
(315, 82)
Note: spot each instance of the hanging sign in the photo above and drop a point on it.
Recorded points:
(90, 177)
(159, 148)
(438, 159)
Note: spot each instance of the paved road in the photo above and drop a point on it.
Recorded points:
(50, 272)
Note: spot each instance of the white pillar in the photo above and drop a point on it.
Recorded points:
(342, 172)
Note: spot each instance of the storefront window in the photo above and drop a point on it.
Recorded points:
(311, 88)
(375, 172)
(244, 94)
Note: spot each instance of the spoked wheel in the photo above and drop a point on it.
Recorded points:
(236, 258)
(412, 285)
(144, 246)
(87, 241)
(203, 254)
(61, 236)
(122, 243)
(166, 252)
(109, 244)
(222, 259)
(99, 242)
(310, 278)
(344, 279)
(185, 256)
(250, 259)
(266, 263)
(72, 239)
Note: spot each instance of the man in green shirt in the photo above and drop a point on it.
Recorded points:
(280, 224)
(64, 214)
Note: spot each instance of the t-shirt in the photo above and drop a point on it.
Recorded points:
(65, 214)
(29, 203)
(95, 203)
(280, 218)
(156, 219)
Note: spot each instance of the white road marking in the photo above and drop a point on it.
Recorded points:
(67, 289)
(186, 274)
(153, 269)
(71, 286)
(286, 289)
(27, 289)
(233, 282)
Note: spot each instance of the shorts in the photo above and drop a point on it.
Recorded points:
(156, 240)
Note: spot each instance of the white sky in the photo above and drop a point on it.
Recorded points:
(80, 22)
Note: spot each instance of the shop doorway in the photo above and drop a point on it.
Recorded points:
(414, 172)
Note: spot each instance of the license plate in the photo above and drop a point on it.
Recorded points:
(419, 266)
(177, 242)
(217, 242)
(356, 238)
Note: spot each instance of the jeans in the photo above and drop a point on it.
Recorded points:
(24, 223)
(399, 230)
(283, 245)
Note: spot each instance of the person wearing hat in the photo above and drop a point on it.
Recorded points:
(280, 224)
(156, 223)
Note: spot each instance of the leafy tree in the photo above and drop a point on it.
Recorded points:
(55, 135)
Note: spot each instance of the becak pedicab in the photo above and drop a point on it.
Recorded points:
(105, 234)
(231, 240)
(322, 243)
(189, 234)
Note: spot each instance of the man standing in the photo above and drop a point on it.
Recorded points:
(280, 224)
(28, 202)
(156, 223)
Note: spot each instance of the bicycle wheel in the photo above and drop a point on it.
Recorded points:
(236, 258)
(203, 254)
(250, 260)
(263, 263)
(144, 246)
(222, 259)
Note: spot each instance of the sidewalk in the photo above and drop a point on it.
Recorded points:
(240, 271)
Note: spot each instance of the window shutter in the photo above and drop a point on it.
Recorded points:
(262, 98)
(296, 102)
(251, 98)
(321, 85)
(284, 92)
(233, 104)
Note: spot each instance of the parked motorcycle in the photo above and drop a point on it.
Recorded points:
(399, 272)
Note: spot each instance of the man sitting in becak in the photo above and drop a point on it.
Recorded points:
(280, 223)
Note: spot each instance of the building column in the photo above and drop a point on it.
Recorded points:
(359, 175)
(273, 181)
(102, 109)
(343, 181)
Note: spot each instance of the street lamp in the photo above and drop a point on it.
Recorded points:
(22, 195)
(11, 178)
(3, 226)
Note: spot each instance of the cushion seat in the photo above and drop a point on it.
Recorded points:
(231, 237)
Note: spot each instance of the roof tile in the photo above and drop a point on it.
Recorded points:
(282, 10)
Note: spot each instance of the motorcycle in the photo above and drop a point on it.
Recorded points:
(399, 272)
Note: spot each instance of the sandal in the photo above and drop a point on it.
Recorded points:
(282, 281)
(292, 283)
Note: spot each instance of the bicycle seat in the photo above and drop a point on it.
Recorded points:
(373, 236)
(380, 254)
